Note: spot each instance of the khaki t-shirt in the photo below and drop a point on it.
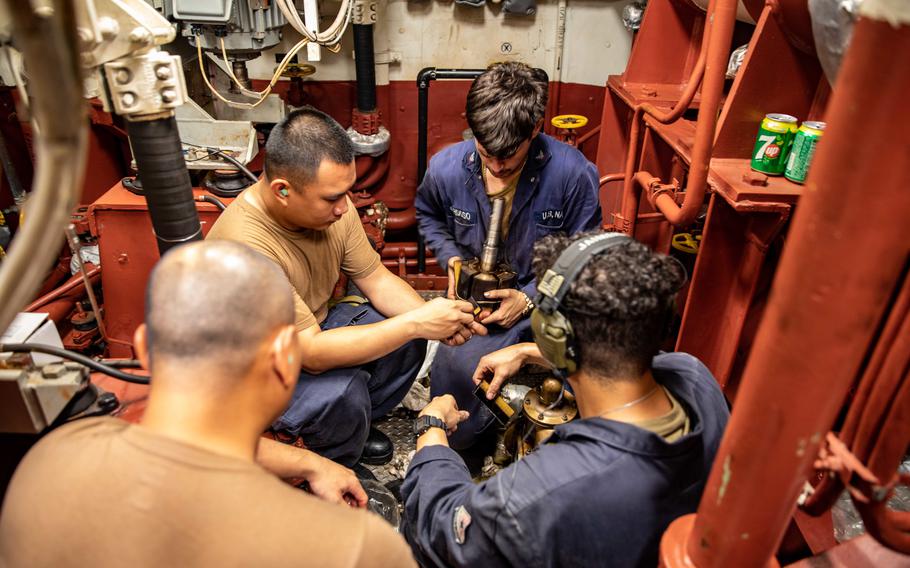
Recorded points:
(311, 259)
(101, 492)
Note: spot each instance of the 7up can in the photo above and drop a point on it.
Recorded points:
(775, 135)
(804, 144)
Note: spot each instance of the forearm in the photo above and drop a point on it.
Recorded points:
(285, 461)
(354, 345)
(530, 354)
(389, 294)
(432, 437)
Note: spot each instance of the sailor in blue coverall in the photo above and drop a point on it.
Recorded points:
(557, 192)
(603, 489)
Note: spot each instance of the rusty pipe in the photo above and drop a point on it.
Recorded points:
(404, 219)
(630, 197)
(587, 136)
(724, 19)
(806, 354)
(73, 283)
(688, 94)
(374, 175)
(611, 178)
(629, 204)
(396, 250)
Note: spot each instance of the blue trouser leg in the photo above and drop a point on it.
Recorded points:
(453, 369)
(332, 411)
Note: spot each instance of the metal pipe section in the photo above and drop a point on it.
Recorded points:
(47, 41)
(720, 36)
(365, 67)
(73, 284)
(491, 245)
(426, 75)
(806, 355)
(630, 195)
(159, 158)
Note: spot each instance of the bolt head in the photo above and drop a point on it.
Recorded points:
(140, 35)
(168, 95)
(163, 72)
(128, 99)
(86, 38)
(123, 258)
(122, 76)
(108, 28)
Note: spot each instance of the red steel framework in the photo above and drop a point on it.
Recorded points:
(807, 353)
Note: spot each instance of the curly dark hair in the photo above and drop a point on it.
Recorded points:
(619, 306)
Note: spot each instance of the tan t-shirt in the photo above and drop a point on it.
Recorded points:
(311, 259)
(671, 426)
(101, 492)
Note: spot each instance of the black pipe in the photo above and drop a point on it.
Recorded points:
(423, 106)
(77, 357)
(166, 182)
(365, 67)
(236, 163)
(214, 201)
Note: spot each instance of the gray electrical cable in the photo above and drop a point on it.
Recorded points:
(55, 83)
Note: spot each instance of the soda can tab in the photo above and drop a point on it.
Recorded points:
(772, 146)
(803, 150)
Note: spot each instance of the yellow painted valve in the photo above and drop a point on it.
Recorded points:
(569, 121)
(686, 242)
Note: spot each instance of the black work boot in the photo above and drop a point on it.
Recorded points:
(378, 448)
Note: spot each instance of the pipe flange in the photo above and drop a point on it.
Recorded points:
(367, 123)
(370, 144)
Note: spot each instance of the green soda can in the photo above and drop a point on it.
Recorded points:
(804, 144)
(775, 135)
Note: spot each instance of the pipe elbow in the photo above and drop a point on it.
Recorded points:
(425, 76)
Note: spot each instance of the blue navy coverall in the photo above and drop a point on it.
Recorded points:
(332, 411)
(599, 493)
(557, 192)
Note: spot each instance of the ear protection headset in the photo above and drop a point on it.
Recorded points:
(552, 330)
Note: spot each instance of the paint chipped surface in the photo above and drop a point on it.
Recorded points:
(724, 480)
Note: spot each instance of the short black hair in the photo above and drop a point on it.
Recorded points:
(620, 306)
(505, 104)
(298, 144)
(215, 303)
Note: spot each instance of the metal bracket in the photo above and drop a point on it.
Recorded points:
(146, 84)
(365, 12)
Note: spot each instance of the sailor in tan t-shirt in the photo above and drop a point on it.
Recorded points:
(359, 360)
(183, 487)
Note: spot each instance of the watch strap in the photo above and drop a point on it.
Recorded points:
(425, 422)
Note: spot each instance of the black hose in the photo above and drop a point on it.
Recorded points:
(165, 180)
(214, 201)
(365, 67)
(423, 108)
(236, 163)
(77, 357)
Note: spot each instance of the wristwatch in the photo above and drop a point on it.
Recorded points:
(425, 422)
(529, 305)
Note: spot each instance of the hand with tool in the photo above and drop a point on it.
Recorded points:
(514, 305)
(499, 366)
(450, 321)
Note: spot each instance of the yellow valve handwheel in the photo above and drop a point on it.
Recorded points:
(569, 121)
(298, 70)
(685, 242)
